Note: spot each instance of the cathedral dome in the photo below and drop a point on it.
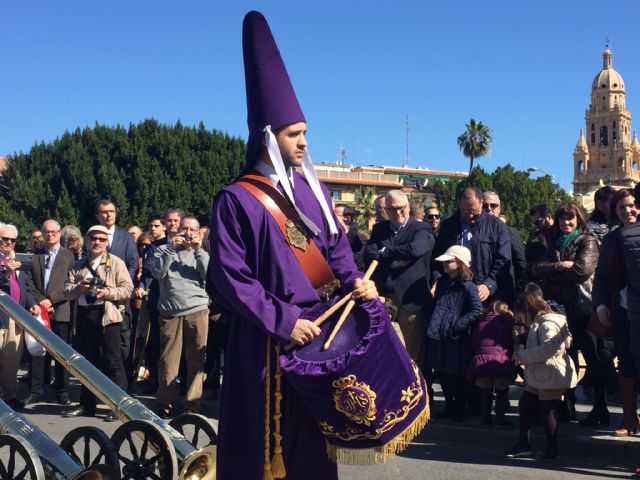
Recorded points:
(608, 79)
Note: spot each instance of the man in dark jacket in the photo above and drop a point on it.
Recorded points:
(403, 247)
(598, 223)
(49, 271)
(493, 206)
(488, 239)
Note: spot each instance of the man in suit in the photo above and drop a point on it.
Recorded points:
(49, 271)
(403, 247)
(14, 283)
(121, 245)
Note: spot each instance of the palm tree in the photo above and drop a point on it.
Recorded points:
(475, 141)
(364, 206)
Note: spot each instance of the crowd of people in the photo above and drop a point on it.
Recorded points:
(466, 293)
(107, 291)
(478, 306)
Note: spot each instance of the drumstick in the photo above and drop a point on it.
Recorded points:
(349, 307)
(322, 318)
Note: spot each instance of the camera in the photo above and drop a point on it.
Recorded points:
(188, 238)
(92, 294)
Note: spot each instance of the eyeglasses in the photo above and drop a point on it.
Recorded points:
(99, 239)
(433, 217)
(8, 240)
(396, 209)
(491, 206)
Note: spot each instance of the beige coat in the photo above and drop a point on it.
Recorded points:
(547, 366)
(118, 286)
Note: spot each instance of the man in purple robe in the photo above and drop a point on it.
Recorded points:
(254, 275)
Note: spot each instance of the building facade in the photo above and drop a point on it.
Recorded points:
(605, 153)
(343, 181)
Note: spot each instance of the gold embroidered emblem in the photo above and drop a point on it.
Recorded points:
(409, 398)
(295, 235)
(355, 399)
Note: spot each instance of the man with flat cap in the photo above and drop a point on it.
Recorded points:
(265, 430)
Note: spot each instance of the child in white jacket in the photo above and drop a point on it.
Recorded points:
(548, 371)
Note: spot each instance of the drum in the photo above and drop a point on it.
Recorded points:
(366, 394)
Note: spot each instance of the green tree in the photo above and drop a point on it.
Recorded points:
(517, 190)
(364, 206)
(143, 168)
(475, 141)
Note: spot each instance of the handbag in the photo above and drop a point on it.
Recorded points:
(585, 302)
(33, 346)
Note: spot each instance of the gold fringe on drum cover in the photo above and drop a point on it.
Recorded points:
(370, 456)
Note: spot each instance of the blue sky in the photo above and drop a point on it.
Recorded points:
(522, 67)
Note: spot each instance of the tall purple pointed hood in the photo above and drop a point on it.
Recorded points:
(271, 99)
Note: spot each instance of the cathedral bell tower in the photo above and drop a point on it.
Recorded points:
(605, 152)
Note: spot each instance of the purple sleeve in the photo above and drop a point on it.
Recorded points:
(231, 278)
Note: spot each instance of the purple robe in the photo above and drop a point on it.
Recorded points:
(254, 275)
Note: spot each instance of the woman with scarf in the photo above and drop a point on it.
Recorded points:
(566, 273)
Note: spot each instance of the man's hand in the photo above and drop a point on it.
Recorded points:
(364, 290)
(177, 242)
(139, 292)
(196, 242)
(304, 331)
(84, 286)
(564, 265)
(35, 310)
(14, 265)
(483, 292)
(47, 305)
(604, 316)
(100, 292)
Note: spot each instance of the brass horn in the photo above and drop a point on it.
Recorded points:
(56, 463)
(194, 464)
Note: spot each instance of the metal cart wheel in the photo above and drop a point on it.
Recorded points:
(145, 451)
(90, 446)
(18, 460)
(196, 428)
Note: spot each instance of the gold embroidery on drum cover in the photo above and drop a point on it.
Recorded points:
(410, 397)
(355, 399)
(295, 235)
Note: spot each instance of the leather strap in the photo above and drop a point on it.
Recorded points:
(311, 259)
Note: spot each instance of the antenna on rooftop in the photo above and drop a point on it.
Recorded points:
(342, 153)
(405, 164)
(606, 43)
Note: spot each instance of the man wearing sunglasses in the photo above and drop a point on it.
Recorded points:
(432, 217)
(492, 205)
(101, 285)
(487, 238)
(15, 284)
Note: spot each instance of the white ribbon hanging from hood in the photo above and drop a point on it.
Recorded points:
(307, 167)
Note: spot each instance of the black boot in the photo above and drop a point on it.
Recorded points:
(502, 404)
(486, 401)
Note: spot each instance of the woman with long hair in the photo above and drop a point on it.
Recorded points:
(610, 301)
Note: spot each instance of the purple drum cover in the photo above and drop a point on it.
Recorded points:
(366, 394)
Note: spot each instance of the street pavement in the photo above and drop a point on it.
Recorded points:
(445, 449)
